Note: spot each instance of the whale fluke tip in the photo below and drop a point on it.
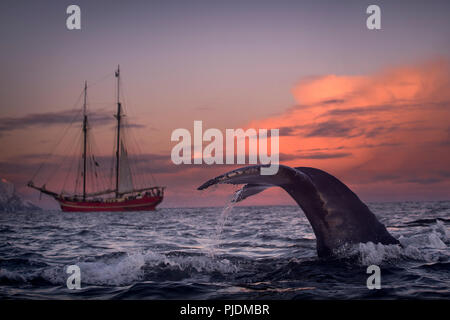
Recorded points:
(206, 185)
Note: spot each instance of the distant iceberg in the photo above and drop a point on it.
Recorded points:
(10, 201)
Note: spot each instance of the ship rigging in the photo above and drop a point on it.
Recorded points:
(122, 195)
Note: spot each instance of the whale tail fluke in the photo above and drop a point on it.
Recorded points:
(336, 214)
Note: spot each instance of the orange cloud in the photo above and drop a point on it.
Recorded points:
(382, 133)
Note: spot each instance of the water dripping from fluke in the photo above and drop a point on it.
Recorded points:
(221, 221)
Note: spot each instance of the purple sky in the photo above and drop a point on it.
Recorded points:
(227, 63)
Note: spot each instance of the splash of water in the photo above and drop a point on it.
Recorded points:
(128, 268)
(428, 247)
(221, 221)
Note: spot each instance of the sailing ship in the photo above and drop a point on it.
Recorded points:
(123, 196)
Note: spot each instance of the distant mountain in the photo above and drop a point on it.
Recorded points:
(10, 201)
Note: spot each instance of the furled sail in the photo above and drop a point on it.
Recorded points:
(125, 177)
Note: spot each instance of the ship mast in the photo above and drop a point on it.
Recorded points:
(85, 140)
(118, 117)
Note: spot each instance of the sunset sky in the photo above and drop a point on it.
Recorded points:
(372, 107)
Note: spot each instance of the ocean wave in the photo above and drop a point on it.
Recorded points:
(140, 266)
(8, 277)
(194, 253)
(121, 269)
(11, 277)
(429, 247)
(427, 221)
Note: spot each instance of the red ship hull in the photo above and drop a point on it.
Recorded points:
(146, 203)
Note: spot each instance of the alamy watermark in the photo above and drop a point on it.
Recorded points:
(374, 281)
(74, 280)
(257, 147)
(73, 21)
(373, 21)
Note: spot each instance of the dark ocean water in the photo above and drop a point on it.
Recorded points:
(217, 253)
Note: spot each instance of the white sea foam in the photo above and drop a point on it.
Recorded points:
(122, 271)
(132, 267)
(443, 230)
(429, 247)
